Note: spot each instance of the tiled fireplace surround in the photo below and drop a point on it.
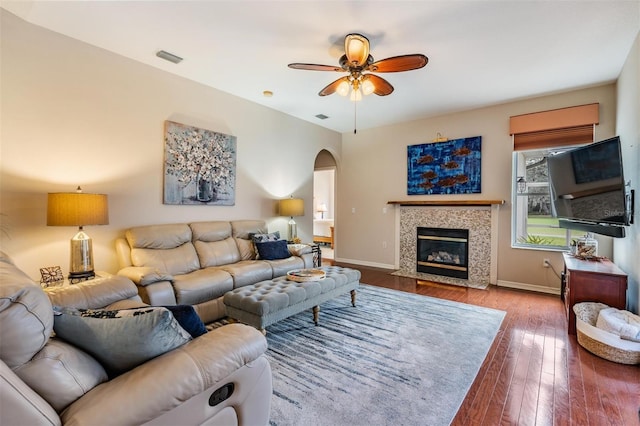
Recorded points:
(481, 221)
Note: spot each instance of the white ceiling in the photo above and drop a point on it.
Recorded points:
(480, 52)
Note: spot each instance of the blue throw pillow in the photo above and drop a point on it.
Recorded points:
(273, 250)
(188, 319)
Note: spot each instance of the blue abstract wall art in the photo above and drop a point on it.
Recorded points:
(450, 167)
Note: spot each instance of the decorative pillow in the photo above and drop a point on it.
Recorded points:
(299, 249)
(69, 372)
(259, 238)
(188, 319)
(120, 340)
(273, 250)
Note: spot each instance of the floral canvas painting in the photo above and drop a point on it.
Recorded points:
(450, 167)
(199, 166)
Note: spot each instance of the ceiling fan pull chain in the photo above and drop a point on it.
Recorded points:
(355, 118)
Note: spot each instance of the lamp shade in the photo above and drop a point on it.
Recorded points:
(291, 207)
(77, 209)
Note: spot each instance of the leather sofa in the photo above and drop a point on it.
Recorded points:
(197, 263)
(221, 377)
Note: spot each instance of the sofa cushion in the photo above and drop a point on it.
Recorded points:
(201, 286)
(280, 267)
(120, 340)
(26, 316)
(246, 248)
(248, 272)
(272, 250)
(158, 236)
(210, 231)
(242, 228)
(217, 253)
(61, 373)
(174, 261)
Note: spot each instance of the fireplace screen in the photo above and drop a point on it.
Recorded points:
(443, 251)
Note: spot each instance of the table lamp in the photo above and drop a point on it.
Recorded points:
(78, 209)
(292, 207)
(322, 208)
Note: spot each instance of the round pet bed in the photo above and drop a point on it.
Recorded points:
(600, 342)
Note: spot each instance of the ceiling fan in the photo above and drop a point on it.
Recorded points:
(360, 65)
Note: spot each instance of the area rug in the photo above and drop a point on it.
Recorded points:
(395, 359)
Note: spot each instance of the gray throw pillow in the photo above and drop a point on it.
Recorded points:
(120, 340)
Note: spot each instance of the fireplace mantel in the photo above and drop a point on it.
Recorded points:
(429, 203)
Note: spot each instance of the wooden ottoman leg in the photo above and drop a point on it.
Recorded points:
(316, 312)
(353, 298)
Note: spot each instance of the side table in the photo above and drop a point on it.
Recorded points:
(100, 275)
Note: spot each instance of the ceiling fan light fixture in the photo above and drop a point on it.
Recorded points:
(356, 95)
(356, 48)
(343, 88)
(367, 87)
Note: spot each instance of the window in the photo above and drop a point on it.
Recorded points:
(535, 136)
(533, 224)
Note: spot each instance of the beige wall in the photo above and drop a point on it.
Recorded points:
(374, 171)
(73, 114)
(626, 253)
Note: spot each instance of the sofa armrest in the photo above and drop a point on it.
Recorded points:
(19, 404)
(144, 275)
(162, 384)
(93, 294)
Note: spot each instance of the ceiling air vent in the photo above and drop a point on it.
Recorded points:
(168, 56)
(322, 116)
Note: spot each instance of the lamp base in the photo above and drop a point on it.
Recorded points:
(292, 230)
(76, 277)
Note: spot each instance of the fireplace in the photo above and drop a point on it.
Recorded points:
(443, 251)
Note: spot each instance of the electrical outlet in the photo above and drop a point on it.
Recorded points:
(546, 263)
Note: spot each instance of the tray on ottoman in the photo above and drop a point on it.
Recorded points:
(303, 275)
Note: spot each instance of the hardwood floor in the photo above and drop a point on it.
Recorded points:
(535, 373)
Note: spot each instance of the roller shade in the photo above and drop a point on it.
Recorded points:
(560, 127)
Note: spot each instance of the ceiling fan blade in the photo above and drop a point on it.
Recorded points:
(381, 86)
(356, 48)
(331, 88)
(399, 63)
(315, 67)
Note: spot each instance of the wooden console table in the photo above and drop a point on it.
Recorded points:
(591, 281)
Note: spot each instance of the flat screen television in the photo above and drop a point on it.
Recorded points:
(588, 189)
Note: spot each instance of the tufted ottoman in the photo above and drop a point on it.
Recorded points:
(270, 301)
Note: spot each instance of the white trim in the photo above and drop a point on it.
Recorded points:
(365, 263)
(529, 287)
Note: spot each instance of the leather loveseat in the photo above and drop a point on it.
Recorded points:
(197, 263)
(221, 377)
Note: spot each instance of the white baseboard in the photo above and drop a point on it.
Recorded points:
(365, 263)
(529, 287)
